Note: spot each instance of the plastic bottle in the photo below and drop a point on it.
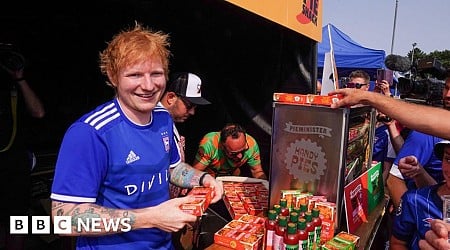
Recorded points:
(270, 225)
(309, 229)
(278, 236)
(284, 208)
(317, 222)
(302, 234)
(290, 238)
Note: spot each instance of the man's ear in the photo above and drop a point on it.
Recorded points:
(111, 76)
(171, 97)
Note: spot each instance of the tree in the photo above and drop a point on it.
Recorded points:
(442, 56)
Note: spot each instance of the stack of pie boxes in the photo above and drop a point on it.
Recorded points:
(247, 204)
(245, 198)
(247, 232)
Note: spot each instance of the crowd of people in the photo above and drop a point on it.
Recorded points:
(424, 230)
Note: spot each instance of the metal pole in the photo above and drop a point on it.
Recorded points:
(393, 29)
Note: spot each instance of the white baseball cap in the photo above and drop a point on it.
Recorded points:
(439, 148)
(187, 85)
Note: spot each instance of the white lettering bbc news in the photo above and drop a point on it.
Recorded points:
(63, 224)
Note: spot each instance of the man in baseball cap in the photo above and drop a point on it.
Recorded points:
(187, 85)
(439, 149)
(182, 95)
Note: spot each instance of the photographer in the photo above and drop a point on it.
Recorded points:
(18, 106)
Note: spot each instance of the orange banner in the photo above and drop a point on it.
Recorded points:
(302, 16)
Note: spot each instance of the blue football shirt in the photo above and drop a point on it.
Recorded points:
(108, 160)
(412, 219)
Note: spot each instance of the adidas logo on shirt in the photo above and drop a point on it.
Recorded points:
(132, 157)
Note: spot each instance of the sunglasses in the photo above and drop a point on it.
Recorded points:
(236, 153)
(188, 104)
(355, 85)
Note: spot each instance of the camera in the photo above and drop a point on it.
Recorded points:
(10, 57)
(424, 84)
(383, 118)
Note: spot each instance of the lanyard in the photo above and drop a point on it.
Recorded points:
(14, 117)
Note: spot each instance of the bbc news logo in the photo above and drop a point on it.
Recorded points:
(63, 224)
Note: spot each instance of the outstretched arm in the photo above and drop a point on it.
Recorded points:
(126, 219)
(425, 119)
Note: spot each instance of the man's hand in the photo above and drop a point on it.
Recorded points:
(437, 237)
(209, 181)
(350, 97)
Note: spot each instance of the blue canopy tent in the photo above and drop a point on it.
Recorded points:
(349, 55)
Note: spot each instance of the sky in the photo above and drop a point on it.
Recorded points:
(371, 23)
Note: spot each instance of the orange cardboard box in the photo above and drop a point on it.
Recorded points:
(203, 197)
(240, 235)
(348, 238)
(307, 99)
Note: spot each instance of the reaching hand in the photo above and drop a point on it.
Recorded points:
(409, 166)
(350, 97)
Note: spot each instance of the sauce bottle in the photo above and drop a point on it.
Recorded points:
(290, 239)
(309, 229)
(280, 229)
(302, 234)
(317, 222)
(284, 208)
(270, 225)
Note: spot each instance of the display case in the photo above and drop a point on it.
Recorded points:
(319, 150)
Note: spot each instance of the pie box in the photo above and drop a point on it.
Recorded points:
(253, 208)
(240, 235)
(337, 245)
(289, 195)
(327, 230)
(347, 238)
(237, 212)
(327, 210)
(307, 99)
(203, 197)
(313, 199)
(252, 219)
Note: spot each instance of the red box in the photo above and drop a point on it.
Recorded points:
(306, 99)
(240, 235)
(203, 197)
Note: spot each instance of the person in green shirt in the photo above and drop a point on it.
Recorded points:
(228, 152)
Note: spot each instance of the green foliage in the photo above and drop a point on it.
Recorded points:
(441, 56)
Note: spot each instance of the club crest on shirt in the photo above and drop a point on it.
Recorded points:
(166, 143)
(398, 211)
(427, 221)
